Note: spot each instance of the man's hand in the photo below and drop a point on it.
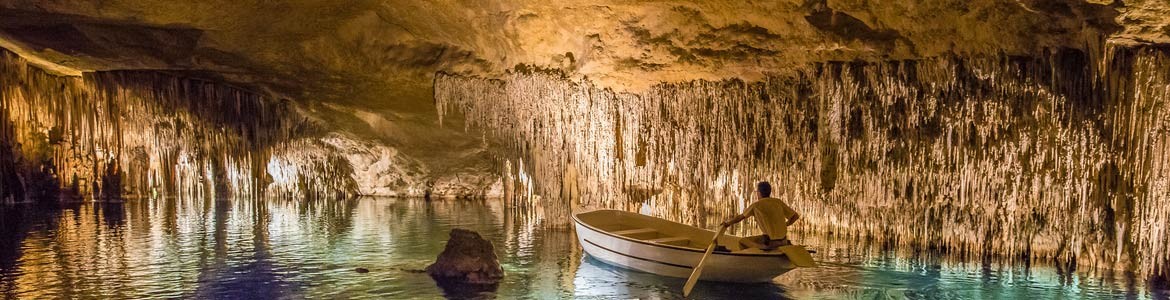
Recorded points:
(732, 221)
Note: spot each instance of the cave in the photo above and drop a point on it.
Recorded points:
(586, 149)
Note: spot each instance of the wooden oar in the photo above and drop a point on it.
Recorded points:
(699, 267)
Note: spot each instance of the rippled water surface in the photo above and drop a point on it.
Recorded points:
(292, 249)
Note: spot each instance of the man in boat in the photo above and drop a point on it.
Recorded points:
(774, 217)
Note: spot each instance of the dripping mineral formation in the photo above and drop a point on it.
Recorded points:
(1065, 155)
(1023, 129)
(111, 135)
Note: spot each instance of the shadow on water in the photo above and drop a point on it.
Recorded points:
(113, 214)
(15, 227)
(250, 273)
(459, 290)
(16, 221)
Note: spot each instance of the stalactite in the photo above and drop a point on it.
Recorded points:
(1063, 155)
(133, 134)
(310, 169)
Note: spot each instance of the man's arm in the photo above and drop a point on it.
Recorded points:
(740, 217)
(735, 219)
(795, 216)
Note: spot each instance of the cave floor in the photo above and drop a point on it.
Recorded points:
(308, 249)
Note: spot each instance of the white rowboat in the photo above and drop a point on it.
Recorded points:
(662, 247)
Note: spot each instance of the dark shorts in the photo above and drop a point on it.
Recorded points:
(768, 242)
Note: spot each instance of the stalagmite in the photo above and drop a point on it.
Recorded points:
(1064, 155)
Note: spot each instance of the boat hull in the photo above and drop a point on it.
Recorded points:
(678, 262)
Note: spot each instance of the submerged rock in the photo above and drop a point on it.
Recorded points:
(468, 259)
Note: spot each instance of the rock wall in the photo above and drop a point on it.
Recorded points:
(1064, 155)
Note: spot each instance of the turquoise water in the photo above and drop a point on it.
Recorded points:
(296, 250)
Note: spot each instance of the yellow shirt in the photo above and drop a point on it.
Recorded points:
(772, 215)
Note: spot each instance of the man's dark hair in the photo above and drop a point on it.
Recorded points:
(765, 189)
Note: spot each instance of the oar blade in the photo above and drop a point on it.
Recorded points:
(798, 256)
(696, 272)
(699, 268)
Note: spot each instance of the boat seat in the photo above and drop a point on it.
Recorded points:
(634, 231)
(672, 240)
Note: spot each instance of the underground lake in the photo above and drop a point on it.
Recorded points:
(310, 250)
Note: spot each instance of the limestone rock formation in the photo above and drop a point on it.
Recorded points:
(366, 68)
(994, 119)
(385, 51)
(970, 145)
(468, 258)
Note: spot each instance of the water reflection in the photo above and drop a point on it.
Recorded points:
(177, 248)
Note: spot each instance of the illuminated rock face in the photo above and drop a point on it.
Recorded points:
(136, 134)
(379, 57)
(383, 53)
(378, 169)
(114, 135)
(1064, 155)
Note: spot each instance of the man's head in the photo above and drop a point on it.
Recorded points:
(765, 189)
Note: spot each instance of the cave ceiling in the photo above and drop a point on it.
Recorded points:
(383, 54)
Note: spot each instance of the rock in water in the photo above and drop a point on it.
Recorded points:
(468, 258)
